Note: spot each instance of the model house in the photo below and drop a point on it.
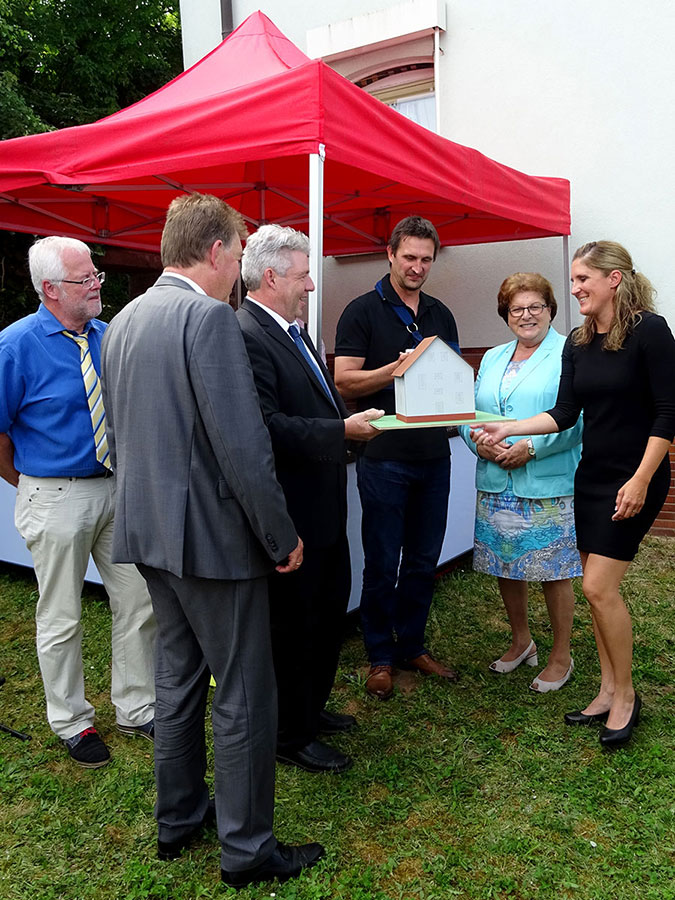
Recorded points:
(433, 384)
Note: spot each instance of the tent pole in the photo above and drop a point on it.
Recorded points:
(316, 243)
(566, 283)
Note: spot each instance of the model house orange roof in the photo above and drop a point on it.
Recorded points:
(413, 356)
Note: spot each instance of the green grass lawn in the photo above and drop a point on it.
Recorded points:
(474, 790)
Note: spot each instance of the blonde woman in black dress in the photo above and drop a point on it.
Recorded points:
(619, 368)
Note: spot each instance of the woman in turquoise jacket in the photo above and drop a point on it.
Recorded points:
(524, 508)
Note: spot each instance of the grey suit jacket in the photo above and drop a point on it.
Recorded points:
(196, 489)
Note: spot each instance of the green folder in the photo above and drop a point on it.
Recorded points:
(391, 423)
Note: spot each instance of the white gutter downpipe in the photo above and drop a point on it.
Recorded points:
(437, 72)
(315, 302)
(567, 312)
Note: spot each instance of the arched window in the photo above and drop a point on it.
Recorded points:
(407, 86)
(390, 53)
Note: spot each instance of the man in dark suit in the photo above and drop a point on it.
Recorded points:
(200, 512)
(309, 424)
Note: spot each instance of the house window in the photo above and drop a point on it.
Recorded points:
(391, 53)
(418, 109)
(407, 87)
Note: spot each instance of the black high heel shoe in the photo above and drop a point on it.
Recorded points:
(617, 737)
(579, 718)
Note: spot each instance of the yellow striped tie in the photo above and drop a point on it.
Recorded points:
(92, 387)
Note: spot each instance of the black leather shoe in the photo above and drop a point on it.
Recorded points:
(168, 850)
(617, 737)
(316, 757)
(579, 718)
(335, 723)
(284, 863)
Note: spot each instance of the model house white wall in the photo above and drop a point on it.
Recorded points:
(573, 89)
(434, 383)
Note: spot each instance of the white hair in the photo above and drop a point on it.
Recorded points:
(45, 259)
(270, 248)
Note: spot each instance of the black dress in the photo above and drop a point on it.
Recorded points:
(626, 396)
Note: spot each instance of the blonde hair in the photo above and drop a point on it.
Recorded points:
(194, 222)
(634, 293)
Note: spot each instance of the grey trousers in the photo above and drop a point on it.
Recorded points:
(215, 627)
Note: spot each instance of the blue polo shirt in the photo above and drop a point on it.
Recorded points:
(43, 405)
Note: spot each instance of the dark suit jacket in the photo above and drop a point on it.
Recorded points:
(307, 431)
(196, 491)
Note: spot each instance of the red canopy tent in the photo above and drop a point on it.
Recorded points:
(242, 123)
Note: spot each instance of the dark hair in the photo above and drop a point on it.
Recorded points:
(634, 293)
(194, 222)
(525, 281)
(414, 226)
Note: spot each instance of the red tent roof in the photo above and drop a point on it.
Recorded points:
(257, 44)
(240, 124)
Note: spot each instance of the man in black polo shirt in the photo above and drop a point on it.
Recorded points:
(403, 476)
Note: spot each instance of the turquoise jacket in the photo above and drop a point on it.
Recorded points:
(550, 473)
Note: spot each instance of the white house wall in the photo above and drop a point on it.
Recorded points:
(296, 17)
(201, 28)
(577, 89)
(574, 89)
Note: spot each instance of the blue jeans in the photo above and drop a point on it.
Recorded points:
(405, 507)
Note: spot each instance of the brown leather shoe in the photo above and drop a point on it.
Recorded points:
(379, 683)
(427, 665)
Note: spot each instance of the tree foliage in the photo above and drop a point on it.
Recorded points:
(71, 62)
(68, 62)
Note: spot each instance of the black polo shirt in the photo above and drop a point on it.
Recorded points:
(370, 328)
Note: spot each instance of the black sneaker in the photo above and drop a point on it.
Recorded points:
(147, 730)
(87, 749)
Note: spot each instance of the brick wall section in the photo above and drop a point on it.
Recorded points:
(473, 355)
(665, 523)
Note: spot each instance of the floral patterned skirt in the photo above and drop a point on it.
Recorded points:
(525, 540)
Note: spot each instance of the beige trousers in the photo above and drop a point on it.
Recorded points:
(63, 521)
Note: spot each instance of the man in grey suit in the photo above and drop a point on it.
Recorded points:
(200, 512)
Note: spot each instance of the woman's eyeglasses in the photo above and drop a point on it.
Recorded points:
(535, 309)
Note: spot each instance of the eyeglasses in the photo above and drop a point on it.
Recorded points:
(88, 281)
(535, 309)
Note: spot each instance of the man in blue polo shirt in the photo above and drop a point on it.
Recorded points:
(53, 448)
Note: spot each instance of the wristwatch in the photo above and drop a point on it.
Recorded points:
(530, 447)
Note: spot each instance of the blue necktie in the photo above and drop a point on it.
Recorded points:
(294, 332)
